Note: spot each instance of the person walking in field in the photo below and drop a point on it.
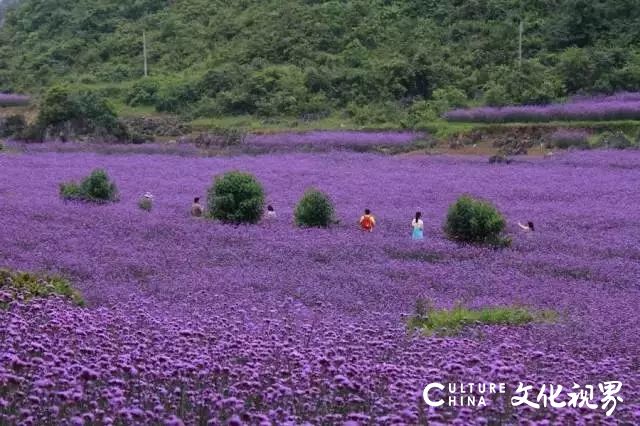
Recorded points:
(367, 221)
(528, 227)
(271, 213)
(417, 226)
(196, 208)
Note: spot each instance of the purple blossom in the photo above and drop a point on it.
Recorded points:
(13, 99)
(622, 107)
(193, 322)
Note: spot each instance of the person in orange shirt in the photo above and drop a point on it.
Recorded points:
(367, 221)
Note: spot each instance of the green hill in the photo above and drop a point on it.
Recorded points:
(371, 58)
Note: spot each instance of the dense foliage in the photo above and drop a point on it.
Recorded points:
(474, 221)
(67, 113)
(314, 209)
(308, 58)
(97, 187)
(12, 125)
(236, 197)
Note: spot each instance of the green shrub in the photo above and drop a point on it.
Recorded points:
(235, 197)
(145, 204)
(314, 209)
(88, 113)
(176, 96)
(96, 187)
(12, 126)
(475, 221)
(496, 95)
(23, 285)
(143, 92)
(614, 140)
(70, 191)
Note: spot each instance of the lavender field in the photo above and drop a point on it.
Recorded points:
(622, 106)
(190, 321)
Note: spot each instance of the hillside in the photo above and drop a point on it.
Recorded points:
(310, 58)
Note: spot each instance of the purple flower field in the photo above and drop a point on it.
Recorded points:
(335, 138)
(624, 106)
(194, 322)
(12, 99)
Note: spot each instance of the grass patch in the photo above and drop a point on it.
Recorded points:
(25, 286)
(447, 322)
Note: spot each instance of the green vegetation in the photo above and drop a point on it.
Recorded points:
(314, 209)
(475, 221)
(370, 63)
(97, 188)
(453, 321)
(236, 197)
(25, 286)
(73, 113)
(615, 140)
(12, 126)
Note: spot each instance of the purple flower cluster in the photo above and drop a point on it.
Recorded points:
(12, 99)
(191, 321)
(336, 138)
(622, 107)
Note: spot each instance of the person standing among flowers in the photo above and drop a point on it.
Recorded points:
(271, 213)
(528, 227)
(196, 208)
(417, 226)
(367, 221)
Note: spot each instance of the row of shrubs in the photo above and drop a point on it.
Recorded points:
(576, 138)
(237, 197)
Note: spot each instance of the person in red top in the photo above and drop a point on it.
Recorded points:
(367, 221)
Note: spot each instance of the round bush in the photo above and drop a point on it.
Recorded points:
(235, 197)
(314, 209)
(474, 221)
(96, 187)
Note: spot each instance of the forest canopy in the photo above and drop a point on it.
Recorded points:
(296, 57)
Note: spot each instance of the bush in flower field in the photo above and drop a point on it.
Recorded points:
(235, 197)
(97, 187)
(475, 221)
(314, 209)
